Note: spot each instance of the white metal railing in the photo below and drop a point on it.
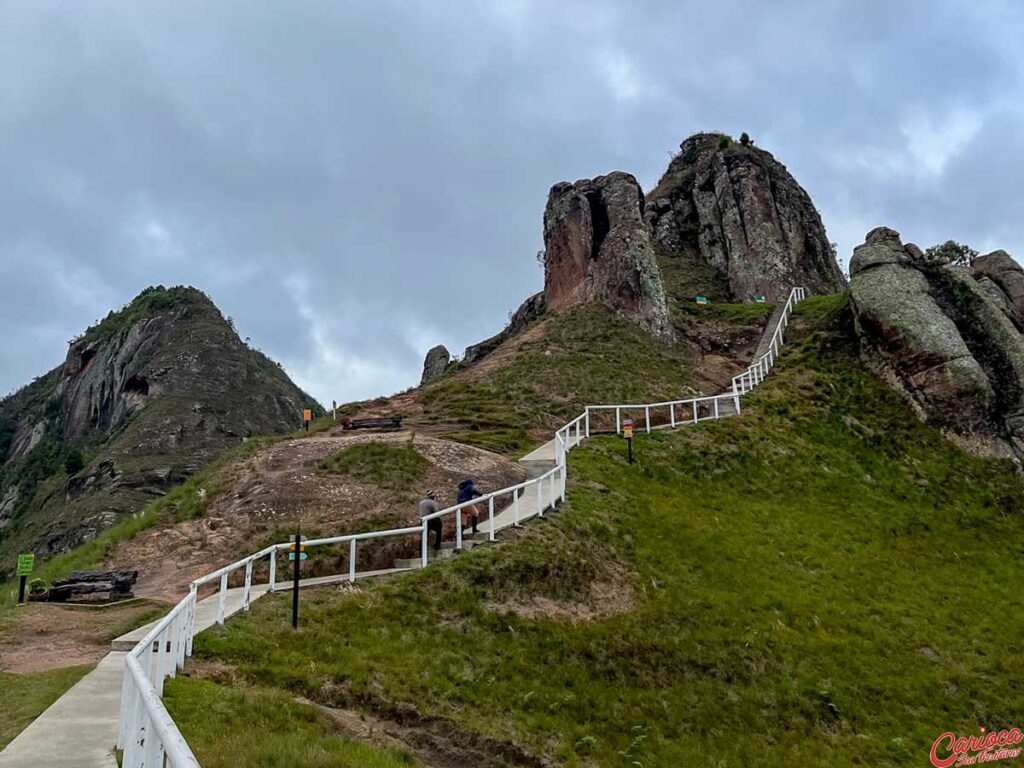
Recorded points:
(758, 369)
(149, 736)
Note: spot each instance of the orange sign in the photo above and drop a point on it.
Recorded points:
(307, 415)
(627, 428)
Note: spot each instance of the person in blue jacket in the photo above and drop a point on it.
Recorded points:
(468, 492)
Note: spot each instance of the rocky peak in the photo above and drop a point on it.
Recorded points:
(597, 249)
(142, 400)
(738, 210)
(934, 333)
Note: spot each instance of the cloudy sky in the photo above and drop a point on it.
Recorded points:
(354, 182)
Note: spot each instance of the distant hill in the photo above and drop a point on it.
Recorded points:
(142, 400)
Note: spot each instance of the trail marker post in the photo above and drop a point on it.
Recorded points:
(296, 555)
(307, 416)
(627, 432)
(702, 299)
(25, 565)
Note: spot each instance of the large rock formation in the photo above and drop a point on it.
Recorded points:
(1003, 278)
(725, 221)
(739, 211)
(934, 333)
(142, 400)
(597, 249)
(434, 363)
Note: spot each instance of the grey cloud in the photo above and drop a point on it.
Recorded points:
(354, 182)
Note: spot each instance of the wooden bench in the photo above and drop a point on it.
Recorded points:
(385, 422)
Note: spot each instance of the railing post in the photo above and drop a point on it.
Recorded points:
(273, 569)
(735, 397)
(352, 561)
(194, 594)
(247, 594)
(222, 597)
(540, 498)
(694, 411)
(716, 406)
(423, 544)
(554, 496)
(588, 420)
(647, 418)
(672, 413)
(618, 427)
(490, 519)
(565, 479)
(458, 528)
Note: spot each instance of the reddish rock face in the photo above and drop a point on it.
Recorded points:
(598, 250)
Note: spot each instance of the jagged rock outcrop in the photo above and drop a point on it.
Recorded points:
(739, 211)
(531, 309)
(597, 249)
(1003, 278)
(434, 363)
(933, 332)
(142, 400)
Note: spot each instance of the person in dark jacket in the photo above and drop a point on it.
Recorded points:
(428, 507)
(468, 492)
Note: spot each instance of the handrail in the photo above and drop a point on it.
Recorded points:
(148, 734)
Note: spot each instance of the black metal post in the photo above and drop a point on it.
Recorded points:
(21, 589)
(629, 448)
(297, 554)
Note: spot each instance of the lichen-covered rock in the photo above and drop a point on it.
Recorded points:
(597, 250)
(933, 333)
(1003, 279)
(740, 211)
(434, 363)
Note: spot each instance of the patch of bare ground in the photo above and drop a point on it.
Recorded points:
(438, 742)
(264, 497)
(611, 594)
(38, 637)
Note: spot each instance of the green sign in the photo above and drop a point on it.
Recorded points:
(702, 299)
(25, 564)
(302, 556)
(759, 299)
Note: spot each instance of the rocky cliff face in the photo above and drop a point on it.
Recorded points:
(597, 249)
(739, 211)
(434, 363)
(142, 400)
(934, 332)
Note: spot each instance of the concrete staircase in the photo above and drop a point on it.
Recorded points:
(769, 331)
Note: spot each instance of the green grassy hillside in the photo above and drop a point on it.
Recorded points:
(820, 582)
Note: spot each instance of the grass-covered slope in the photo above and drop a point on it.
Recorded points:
(537, 381)
(820, 582)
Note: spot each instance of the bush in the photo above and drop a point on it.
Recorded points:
(745, 139)
(74, 462)
(724, 142)
(952, 252)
